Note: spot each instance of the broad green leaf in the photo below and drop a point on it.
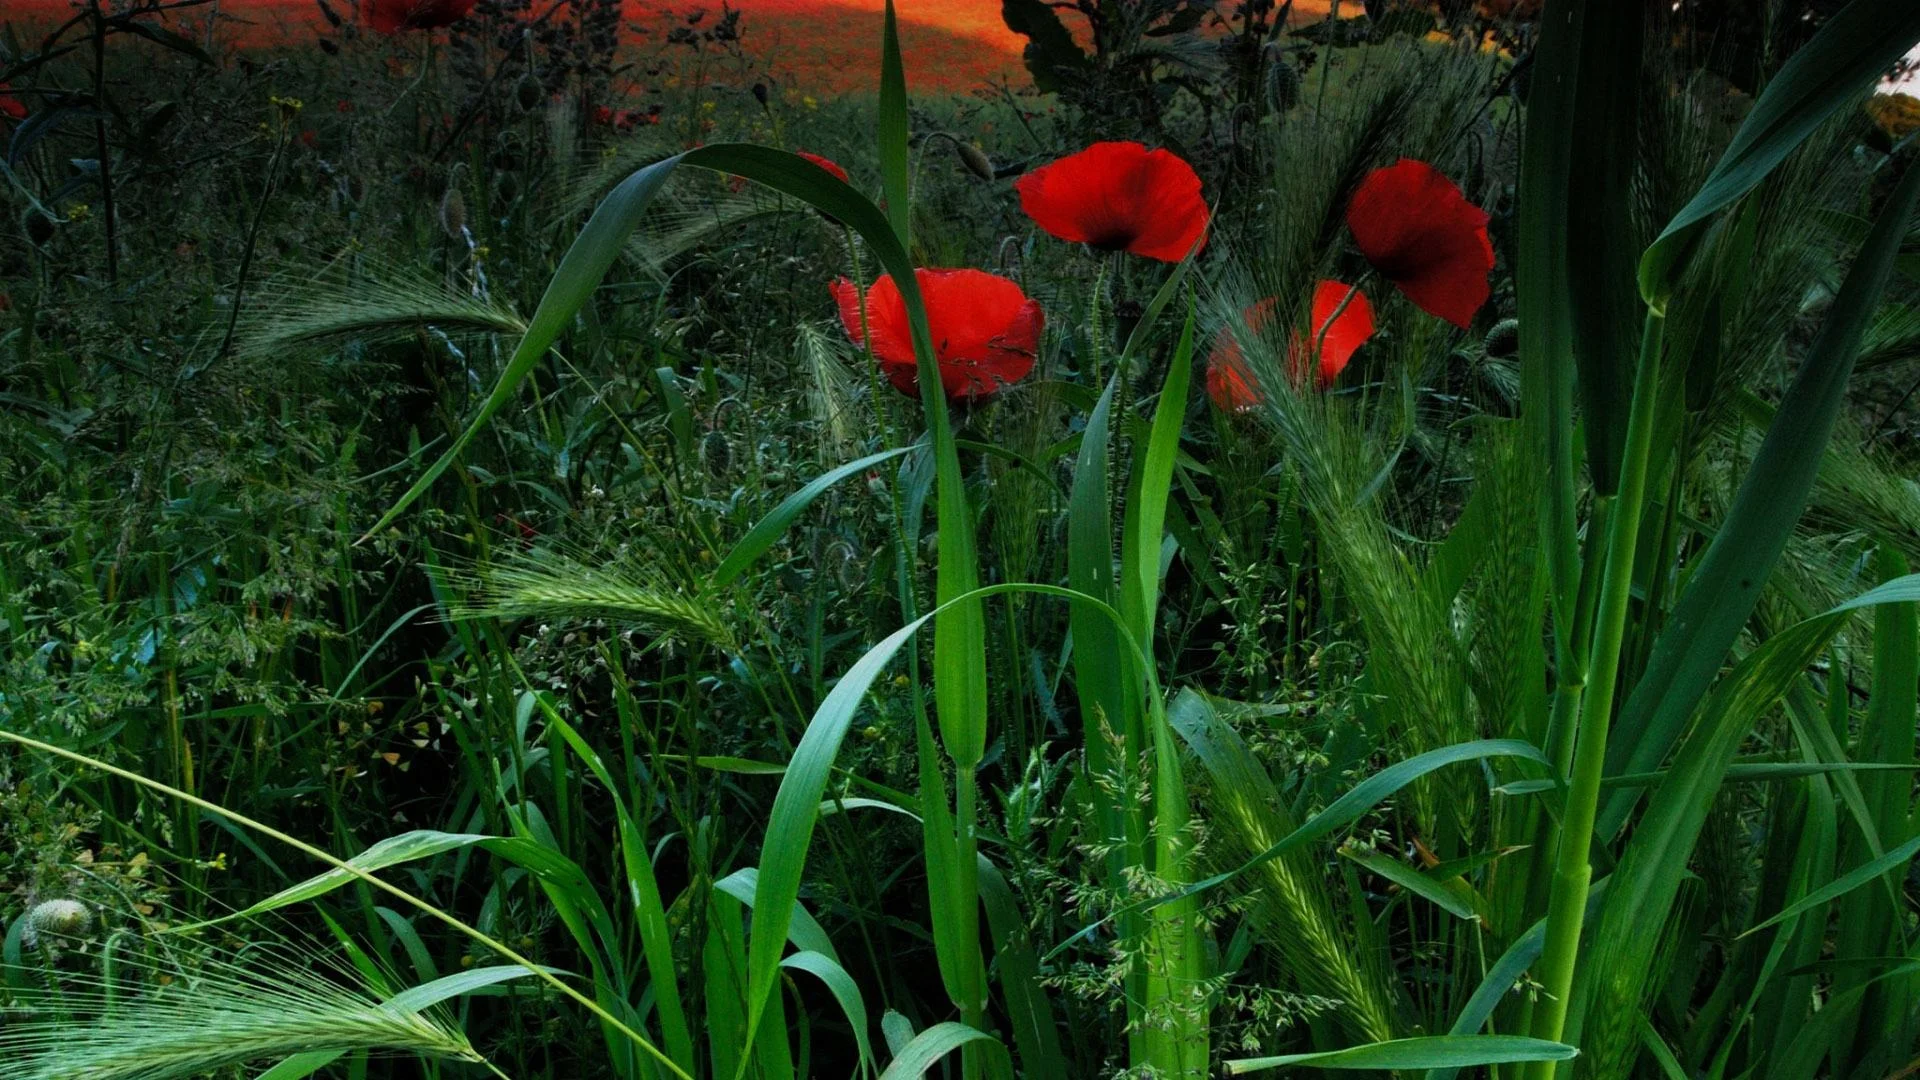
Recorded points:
(844, 990)
(1505, 972)
(459, 984)
(1848, 55)
(1413, 881)
(1543, 292)
(1725, 584)
(1601, 298)
(928, 1047)
(1648, 876)
(301, 1066)
(1426, 1052)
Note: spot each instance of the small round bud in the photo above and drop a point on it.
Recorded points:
(1504, 339)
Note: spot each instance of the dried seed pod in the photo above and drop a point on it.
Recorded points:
(453, 214)
(39, 227)
(1283, 84)
(716, 454)
(1504, 339)
(528, 93)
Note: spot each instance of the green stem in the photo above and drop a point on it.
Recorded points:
(1573, 873)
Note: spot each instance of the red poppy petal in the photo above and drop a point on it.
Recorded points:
(1414, 225)
(1339, 332)
(1119, 196)
(985, 332)
(886, 319)
(1230, 382)
(825, 163)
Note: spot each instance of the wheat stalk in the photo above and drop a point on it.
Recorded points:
(221, 1016)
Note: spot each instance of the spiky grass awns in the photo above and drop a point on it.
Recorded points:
(549, 586)
(217, 1018)
(377, 307)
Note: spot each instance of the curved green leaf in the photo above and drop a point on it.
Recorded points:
(930, 1046)
(1852, 51)
(1724, 586)
(1426, 1052)
(769, 528)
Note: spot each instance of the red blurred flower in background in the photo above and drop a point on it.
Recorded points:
(1119, 196)
(1422, 234)
(396, 16)
(11, 106)
(986, 332)
(1338, 334)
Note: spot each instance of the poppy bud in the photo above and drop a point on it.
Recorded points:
(453, 213)
(760, 93)
(529, 93)
(328, 47)
(1504, 339)
(974, 159)
(39, 227)
(62, 918)
(332, 18)
(716, 454)
(1283, 85)
(507, 187)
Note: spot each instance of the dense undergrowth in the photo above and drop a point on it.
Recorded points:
(1276, 656)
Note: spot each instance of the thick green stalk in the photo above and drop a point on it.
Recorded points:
(1573, 873)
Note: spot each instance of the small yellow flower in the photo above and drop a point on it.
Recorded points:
(810, 101)
(706, 106)
(902, 682)
(79, 212)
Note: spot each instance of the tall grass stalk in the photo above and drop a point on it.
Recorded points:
(506, 953)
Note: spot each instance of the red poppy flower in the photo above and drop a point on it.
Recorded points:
(1422, 234)
(11, 106)
(309, 138)
(985, 330)
(826, 163)
(1338, 332)
(1119, 196)
(396, 16)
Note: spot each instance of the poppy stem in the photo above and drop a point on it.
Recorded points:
(1573, 870)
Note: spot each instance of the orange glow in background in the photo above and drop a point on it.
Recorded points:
(830, 45)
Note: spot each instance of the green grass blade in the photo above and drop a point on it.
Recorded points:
(1844, 884)
(1645, 883)
(1543, 292)
(929, 1046)
(1601, 299)
(892, 127)
(1415, 882)
(770, 528)
(1425, 1052)
(1029, 1011)
(1726, 583)
(1146, 513)
(581, 269)
(301, 1066)
(1849, 54)
(1345, 810)
(845, 991)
